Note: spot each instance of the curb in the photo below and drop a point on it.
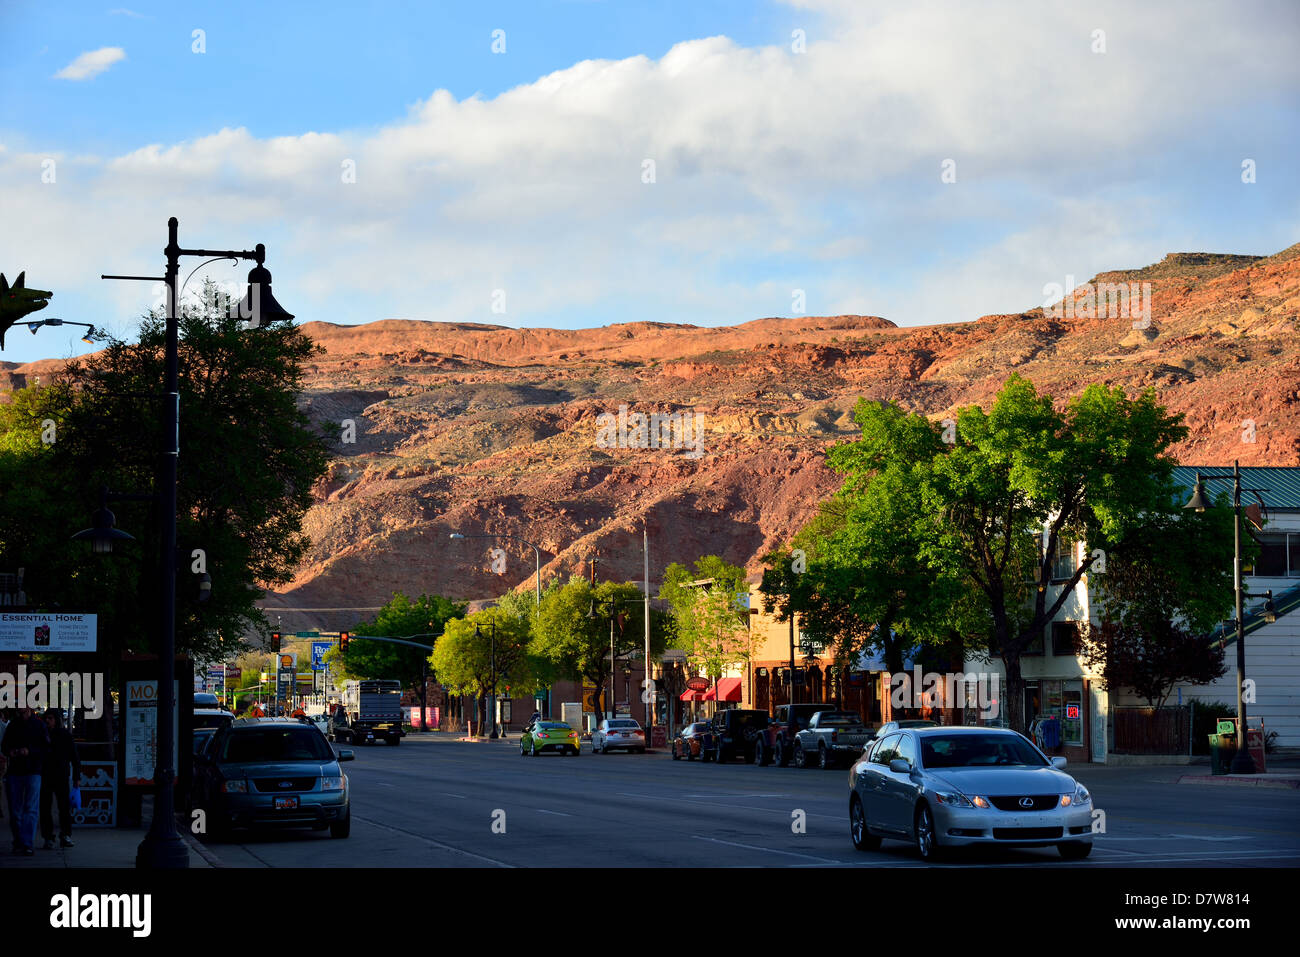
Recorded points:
(1242, 781)
(201, 849)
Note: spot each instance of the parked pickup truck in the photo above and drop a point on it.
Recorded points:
(831, 737)
(776, 744)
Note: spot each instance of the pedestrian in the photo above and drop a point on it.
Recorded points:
(61, 766)
(24, 744)
(4, 723)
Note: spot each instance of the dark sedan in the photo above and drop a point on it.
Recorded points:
(694, 741)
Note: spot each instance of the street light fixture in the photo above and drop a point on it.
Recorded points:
(163, 847)
(1242, 762)
(102, 532)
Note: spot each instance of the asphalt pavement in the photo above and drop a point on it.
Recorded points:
(440, 802)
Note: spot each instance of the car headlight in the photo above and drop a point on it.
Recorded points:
(234, 787)
(331, 782)
(1081, 795)
(954, 799)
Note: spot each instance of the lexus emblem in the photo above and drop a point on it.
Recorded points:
(1026, 802)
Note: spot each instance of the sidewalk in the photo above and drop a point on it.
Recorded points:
(100, 847)
(1286, 778)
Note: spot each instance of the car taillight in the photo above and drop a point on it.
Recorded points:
(542, 734)
(640, 732)
(835, 736)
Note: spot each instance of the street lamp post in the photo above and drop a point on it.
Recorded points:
(1242, 762)
(492, 694)
(163, 846)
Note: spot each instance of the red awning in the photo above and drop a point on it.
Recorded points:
(689, 695)
(727, 689)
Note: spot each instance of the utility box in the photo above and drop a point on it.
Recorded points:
(571, 714)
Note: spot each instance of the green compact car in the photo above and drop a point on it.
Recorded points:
(554, 736)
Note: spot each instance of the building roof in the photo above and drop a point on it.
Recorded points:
(1281, 482)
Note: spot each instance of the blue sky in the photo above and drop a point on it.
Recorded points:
(783, 161)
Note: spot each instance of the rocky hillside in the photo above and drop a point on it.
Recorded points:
(482, 428)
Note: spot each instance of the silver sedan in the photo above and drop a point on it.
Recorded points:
(949, 787)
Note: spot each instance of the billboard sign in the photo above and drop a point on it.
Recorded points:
(40, 632)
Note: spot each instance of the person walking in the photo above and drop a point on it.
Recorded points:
(60, 767)
(4, 724)
(25, 743)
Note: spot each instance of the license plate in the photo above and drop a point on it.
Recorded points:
(286, 803)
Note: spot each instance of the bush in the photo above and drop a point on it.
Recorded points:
(1205, 717)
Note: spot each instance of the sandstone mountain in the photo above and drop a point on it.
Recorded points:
(481, 428)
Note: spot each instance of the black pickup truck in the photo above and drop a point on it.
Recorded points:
(735, 733)
(776, 744)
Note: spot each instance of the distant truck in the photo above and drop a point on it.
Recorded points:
(372, 710)
(831, 738)
(776, 744)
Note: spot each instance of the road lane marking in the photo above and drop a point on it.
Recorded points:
(743, 807)
(450, 795)
(429, 840)
(556, 813)
(768, 850)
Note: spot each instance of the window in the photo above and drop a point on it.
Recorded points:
(1065, 638)
(1035, 646)
(887, 751)
(1065, 561)
(1279, 557)
(907, 749)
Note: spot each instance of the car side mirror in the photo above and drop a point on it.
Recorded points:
(900, 766)
(1058, 762)
(347, 755)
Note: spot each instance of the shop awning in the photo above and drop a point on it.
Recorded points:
(727, 689)
(689, 695)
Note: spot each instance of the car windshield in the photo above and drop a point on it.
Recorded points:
(623, 724)
(291, 743)
(544, 726)
(977, 750)
(838, 720)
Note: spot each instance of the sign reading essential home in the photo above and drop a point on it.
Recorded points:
(38, 631)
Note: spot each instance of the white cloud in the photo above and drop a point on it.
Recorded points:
(774, 170)
(91, 63)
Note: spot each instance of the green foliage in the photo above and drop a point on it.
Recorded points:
(709, 621)
(399, 618)
(576, 646)
(945, 536)
(471, 652)
(248, 461)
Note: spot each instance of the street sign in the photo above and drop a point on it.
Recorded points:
(318, 649)
(306, 634)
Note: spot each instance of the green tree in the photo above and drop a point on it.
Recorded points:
(399, 618)
(471, 654)
(248, 461)
(989, 508)
(576, 646)
(1159, 599)
(710, 621)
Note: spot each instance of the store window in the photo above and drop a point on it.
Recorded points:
(1072, 714)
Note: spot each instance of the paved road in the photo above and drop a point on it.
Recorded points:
(438, 802)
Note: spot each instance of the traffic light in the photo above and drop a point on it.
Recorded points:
(343, 641)
(275, 642)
